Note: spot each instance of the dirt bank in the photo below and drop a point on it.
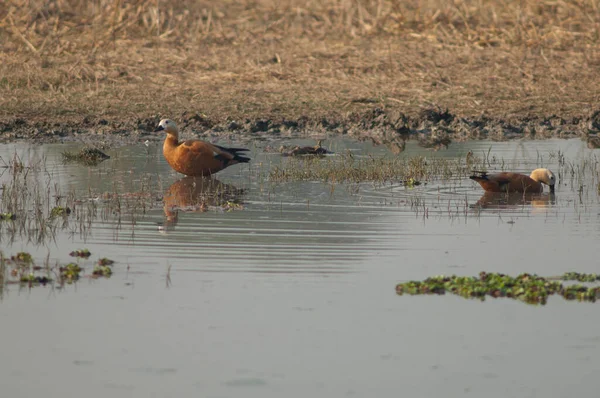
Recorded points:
(379, 69)
(377, 124)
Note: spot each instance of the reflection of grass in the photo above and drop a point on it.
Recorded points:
(531, 289)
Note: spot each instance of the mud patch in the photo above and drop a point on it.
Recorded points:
(432, 127)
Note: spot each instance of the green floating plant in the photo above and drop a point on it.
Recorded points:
(84, 253)
(102, 270)
(105, 261)
(70, 272)
(576, 276)
(60, 211)
(8, 216)
(531, 289)
(22, 258)
(34, 279)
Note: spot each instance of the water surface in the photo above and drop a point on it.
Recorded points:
(294, 295)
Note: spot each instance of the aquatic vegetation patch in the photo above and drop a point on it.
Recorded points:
(34, 212)
(60, 211)
(87, 156)
(529, 288)
(20, 269)
(411, 182)
(70, 272)
(8, 216)
(232, 206)
(349, 168)
(297, 150)
(84, 253)
(576, 276)
(105, 261)
(102, 270)
(32, 279)
(22, 258)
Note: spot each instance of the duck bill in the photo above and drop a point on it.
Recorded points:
(551, 188)
(159, 128)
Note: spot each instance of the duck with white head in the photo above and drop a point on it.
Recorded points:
(514, 182)
(196, 157)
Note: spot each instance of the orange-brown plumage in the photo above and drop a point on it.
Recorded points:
(196, 157)
(514, 182)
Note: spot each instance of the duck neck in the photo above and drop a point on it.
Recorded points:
(172, 140)
(535, 175)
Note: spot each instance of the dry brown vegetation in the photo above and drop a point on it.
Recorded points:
(67, 59)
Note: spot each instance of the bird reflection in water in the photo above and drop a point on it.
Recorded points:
(498, 200)
(198, 194)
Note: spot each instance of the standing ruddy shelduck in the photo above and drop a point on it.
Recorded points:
(196, 157)
(515, 182)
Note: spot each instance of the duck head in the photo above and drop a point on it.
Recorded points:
(544, 176)
(169, 127)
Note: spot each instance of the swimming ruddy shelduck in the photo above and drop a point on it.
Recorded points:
(196, 157)
(515, 182)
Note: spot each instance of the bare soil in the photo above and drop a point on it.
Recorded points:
(381, 70)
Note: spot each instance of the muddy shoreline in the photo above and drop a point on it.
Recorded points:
(378, 125)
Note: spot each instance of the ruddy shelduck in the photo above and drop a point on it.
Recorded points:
(196, 157)
(515, 182)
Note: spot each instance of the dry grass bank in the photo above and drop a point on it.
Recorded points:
(67, 59)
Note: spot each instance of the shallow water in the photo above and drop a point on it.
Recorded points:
(294, 295)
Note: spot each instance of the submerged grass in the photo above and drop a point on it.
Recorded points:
(531, 289)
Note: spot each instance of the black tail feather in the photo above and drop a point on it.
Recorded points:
(233, 151)
(479, 175)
